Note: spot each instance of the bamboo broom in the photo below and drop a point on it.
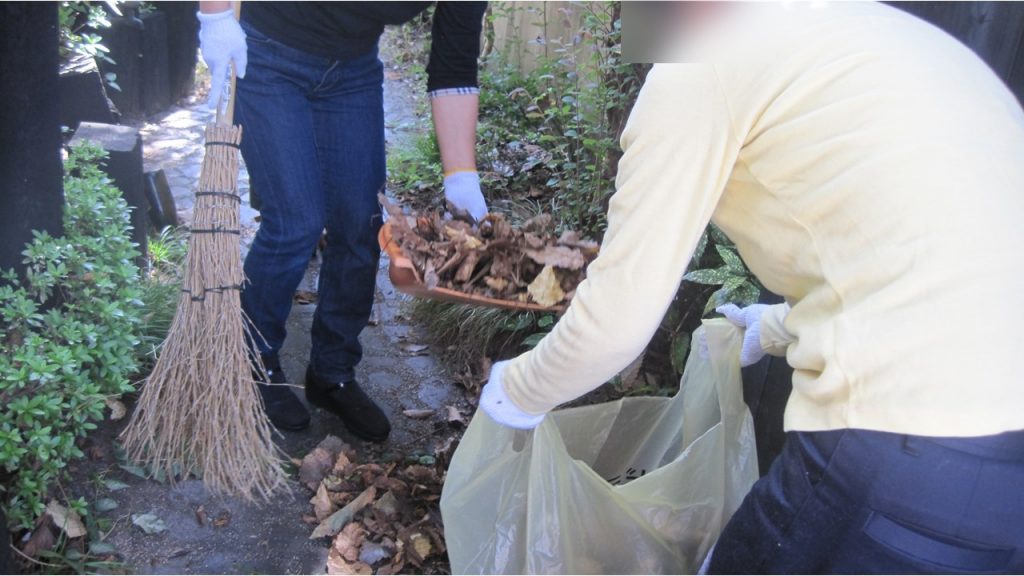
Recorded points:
(199, 411)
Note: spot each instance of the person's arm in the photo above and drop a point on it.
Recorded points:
(454, 100)
(679, 151)
(214, 6)
(455, 125)
(221, 41)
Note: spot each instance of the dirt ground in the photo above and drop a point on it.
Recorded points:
(209, 534)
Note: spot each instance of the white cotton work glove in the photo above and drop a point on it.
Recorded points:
(496, 403)
(221, 40)
(462, 191)
(748, 318)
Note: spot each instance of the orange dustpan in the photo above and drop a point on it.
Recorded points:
(405, 277)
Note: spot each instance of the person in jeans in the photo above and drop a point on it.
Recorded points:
(870, 169)
(310, 103)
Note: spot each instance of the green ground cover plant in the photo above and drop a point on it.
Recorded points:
(69, 337)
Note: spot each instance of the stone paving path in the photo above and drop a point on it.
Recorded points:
(271, 538)
(174, 144)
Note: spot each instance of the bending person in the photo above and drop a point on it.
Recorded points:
(870, 169)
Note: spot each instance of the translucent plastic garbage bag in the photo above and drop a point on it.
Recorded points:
(636, 486)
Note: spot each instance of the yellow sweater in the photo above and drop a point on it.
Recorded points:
(871, 170)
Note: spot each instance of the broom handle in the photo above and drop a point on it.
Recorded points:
(228, 116)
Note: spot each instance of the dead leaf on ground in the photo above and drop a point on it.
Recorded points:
(373, 553)
(443, 454)
(315, 466)
(417, 546)
(391, 522)
(149, 523)
(42, 538)
(455, 416)
(66, 520)
(322, 505)
(397, 560)
(334, 523)
(387, 504)
(418, 414)
(336, 564)
(546, 289)
(342, 464)
(416, 349)
(117, 409)
(574, 239)
(420, 473)
(306, 297)
(539, 224)
(421, 545)
(96, 452)
(320, 461)
(395, 485)
(485, 369)
(105, 505)
(349, 540)
(222, 519)
(339, 499)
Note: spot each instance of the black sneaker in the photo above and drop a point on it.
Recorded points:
(284, 409)
(347, 400)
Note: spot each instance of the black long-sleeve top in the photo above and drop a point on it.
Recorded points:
(344, 30)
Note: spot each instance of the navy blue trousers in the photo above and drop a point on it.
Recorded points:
(313, 142)
(858, 501)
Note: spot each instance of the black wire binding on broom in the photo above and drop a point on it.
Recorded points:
(214, 231)
(216, 289)
(220, 143)
(231, 195)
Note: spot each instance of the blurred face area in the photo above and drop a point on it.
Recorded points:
(694, 16)
(654, 31)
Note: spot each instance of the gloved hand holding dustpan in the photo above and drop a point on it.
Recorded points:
(489, 263)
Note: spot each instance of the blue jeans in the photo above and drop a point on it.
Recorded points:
(862, 502)
(313, 142)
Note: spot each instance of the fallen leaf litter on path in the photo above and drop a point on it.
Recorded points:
(381, 518)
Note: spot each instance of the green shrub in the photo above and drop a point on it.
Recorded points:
(68, 335)
(78, 24)
(547, 140)
(161, 290)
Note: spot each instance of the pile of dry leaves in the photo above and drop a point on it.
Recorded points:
(381, 518)
(528, 263)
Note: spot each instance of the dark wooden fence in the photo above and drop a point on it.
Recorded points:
(31, 186)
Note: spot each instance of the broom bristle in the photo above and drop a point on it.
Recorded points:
(199, 410)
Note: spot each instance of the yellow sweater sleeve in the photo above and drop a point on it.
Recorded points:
(775, 338)
(679, 150)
